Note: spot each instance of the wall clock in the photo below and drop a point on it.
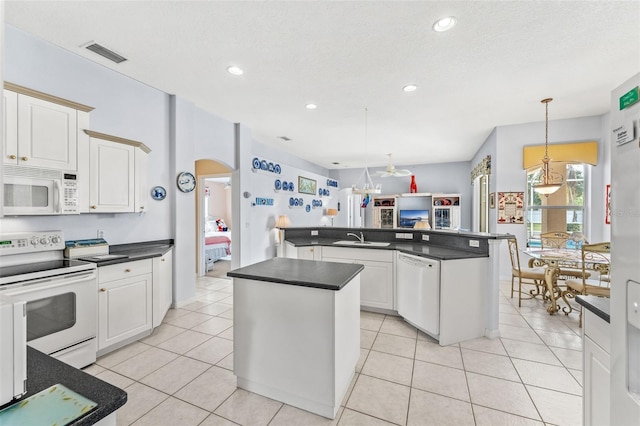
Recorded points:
(186, 182)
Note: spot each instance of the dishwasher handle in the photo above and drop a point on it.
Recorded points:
(420, 263)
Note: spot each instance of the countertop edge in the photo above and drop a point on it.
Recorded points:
(600, 306)
(136, 251)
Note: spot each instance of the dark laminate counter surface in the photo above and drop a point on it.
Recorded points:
(133, 252)
(598, 305)
(414, 248)
(44, 371)
(306, 273)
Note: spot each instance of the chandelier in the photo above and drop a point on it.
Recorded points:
(548, 181)
(367, 184)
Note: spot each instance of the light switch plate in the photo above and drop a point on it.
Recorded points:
(425, 237)
(314, 233)
(474, 243)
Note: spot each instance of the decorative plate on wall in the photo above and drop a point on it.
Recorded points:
(158, 193)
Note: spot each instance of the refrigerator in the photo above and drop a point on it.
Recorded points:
(625, 254)
(350, 215)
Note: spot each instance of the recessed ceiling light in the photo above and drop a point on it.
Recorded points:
(235, 70)
(444, 24)
(410, 88)
(312, 106)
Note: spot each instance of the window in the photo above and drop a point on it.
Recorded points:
(560, 211)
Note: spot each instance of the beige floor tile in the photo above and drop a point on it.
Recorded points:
(172, 411)
(569, 358)
(184, 342)
(442, 380)
(389, 367)
(537, 311)
(214, 308)
(122, 354)
(364, 353)
(530, 351)
(395, 345)
(93, 369)
(115, 379)
(201, 292)
(213, 326)
(226, 362)
(380, 398)
(519, 333)
(557, 407)
(292, 416)
(489, 364)
(212, 351)
(176, 374)
(508, 309)
(353, 418)
(216, 296)
(347, 394)
(503, 395)
(422, 336)
(145, 363)
(214, 420)
(398, 327)
(436, 354)
(483, 344)
(247, 408)
(140, 399)
(162, 333)
(577, 374)
(512, 319)
(561, 340)
(367, 338)
(189, 320)
(427, 408)
(547, 376)
(371, 321)
(488, 417)
(552, 323)
(196, 305)
(175, 313)
(227, 314)
(227, 334)
(210, 389)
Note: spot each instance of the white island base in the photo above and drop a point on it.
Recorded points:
(296, 344)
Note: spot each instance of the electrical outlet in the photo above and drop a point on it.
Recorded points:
(425, 237)
(314, 232)
(403, 236)
(474, 243)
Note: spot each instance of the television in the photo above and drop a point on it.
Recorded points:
(408, 218)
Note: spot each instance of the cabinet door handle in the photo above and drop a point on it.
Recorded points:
(13, 157)
(163, 259)
(127, 270)
(103, 290)
(94, 207)
(25, 158)
(141, 207)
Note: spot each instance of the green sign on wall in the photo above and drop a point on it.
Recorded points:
(629, 98)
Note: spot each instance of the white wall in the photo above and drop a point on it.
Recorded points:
(218, 201)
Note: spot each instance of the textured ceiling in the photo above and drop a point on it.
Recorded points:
(492, 69)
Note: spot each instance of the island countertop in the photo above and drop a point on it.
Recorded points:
(306, 273)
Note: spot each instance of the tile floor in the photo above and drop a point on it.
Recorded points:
(183, 373)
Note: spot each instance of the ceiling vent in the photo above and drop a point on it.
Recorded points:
(104, 52)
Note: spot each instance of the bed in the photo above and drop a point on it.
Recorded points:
(217, 244)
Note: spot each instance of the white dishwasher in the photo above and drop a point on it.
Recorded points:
(418, 292)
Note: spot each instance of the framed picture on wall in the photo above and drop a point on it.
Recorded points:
(607, 217)
(306, 186)
(511, 207)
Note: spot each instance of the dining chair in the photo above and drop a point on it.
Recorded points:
(533, 276)
(559, 240)
(596, 258)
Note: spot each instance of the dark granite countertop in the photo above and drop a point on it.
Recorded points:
(306, 273)
(132, 252)
(44, 371)
(598, 305)
(414, 248)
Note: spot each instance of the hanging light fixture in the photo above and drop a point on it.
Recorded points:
(367, 185)
(549, 181)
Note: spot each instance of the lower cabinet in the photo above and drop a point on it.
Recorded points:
(124, 302)
(306, 252)
(162, 286)
(377, 284)
(596, 370)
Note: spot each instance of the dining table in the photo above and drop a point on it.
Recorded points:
(554, 259)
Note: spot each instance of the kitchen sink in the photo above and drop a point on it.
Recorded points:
(358, 243)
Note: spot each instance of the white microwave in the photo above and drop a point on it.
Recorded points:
(39, 191)
(13, 350)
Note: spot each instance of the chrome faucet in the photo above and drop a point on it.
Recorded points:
(360, 238)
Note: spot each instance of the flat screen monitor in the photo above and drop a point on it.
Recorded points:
(408, 218)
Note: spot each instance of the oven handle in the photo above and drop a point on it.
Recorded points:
(39, 285)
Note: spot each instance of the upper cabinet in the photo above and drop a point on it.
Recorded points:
(42, 130)
(117, 170)
(446, 211)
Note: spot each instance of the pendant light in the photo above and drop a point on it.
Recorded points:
(367, 185)
(549, 182)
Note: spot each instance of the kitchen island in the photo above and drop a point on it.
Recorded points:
(296, 333)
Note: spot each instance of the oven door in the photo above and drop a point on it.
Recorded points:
(31, 196)
(61, 310)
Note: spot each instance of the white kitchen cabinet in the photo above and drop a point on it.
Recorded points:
(446, 211)
(377, 279)
(162, 286)
(117, 175)
(596, 370)
(306, 252)
(43, 129)
(124, 303)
